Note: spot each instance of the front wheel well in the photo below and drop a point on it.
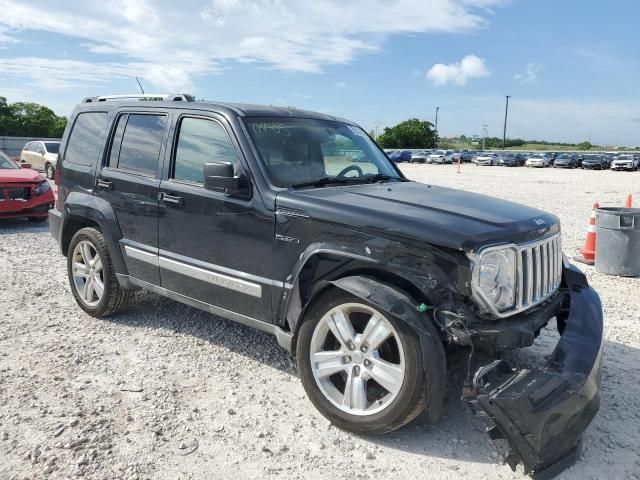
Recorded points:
(71, 226)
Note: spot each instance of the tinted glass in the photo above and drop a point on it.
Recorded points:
(141, 143)
(52, 147)
(200, 141)
(83, 146)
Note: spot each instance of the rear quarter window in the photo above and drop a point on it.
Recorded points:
(83, 146)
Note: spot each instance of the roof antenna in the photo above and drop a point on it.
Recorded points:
(140, 85)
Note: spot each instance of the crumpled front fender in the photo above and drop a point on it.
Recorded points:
(542, 413)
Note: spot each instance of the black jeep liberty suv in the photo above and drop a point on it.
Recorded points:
(296, 223)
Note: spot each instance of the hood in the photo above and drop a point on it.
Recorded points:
(22, 175)
(423, 213)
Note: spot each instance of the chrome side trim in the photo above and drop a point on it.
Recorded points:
(218, 279)
(141, 255)
(222, 276)
(219, 268)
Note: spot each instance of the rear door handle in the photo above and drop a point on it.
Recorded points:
(106, 184)
(172, 199)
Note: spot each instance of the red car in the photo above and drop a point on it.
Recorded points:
(23, 192)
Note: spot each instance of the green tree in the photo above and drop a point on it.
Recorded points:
(25, 119)
(411, 133)
(584, 146)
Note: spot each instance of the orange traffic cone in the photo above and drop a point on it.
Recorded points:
(629, 201)
(588, 250)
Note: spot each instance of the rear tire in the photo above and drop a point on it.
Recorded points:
(92, 277)
(373, 408)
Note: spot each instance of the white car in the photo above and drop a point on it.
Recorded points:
(486, 159)
(625, 162)
(42, 155)
(538, 160)
(441, 156)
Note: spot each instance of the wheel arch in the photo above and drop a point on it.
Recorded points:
(82, 211)
(394, 301)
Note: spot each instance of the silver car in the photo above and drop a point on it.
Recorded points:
(42, 155)
(441, 156)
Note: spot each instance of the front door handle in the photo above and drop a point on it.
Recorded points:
(172, 199)
(106, 184)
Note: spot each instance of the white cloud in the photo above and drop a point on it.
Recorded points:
(458, 73)
(206, 35)
(530, 74)
(341, 84)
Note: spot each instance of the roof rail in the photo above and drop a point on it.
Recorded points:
(171, 97)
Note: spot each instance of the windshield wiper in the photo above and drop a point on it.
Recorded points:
(319, 182)
(380, 177)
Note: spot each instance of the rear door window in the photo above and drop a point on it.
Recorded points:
(83, 146)
(138, 149)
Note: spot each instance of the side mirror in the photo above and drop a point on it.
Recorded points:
(25, 165)
(219, 176)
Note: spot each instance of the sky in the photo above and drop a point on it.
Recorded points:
(570, 66)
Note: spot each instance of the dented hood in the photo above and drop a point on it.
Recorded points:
(22, 175)
(442, 216)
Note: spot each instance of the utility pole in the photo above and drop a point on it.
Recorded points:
(437, 109)
(504, 133)
(484, 134)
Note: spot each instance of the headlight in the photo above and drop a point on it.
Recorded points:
(42, 188)
(496, 278)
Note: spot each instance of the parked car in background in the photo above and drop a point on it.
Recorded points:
(510, 159)
(400, 156)
(538, 160)
(565, 160)
(441, 156)
(467, 155)
(595, 161)
(41, 155)
(420, 157)
(626, 161)
(24, 193)
(486, 159)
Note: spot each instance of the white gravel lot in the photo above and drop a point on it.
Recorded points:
(166, 391)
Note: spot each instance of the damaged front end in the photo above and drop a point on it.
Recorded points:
(542, 413)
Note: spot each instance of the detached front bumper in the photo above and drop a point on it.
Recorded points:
(542, 413)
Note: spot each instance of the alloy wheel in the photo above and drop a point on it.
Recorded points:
(87, 272)
(357, 359)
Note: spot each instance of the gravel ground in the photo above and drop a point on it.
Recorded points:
(166, 391)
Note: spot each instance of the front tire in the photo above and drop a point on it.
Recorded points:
(362, 369)
(92, 277)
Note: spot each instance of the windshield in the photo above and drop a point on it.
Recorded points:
(564, 155)
(303, 150)
(625, 157)
(440, 152)
(52, 147)
(537, 156)
(6, 163)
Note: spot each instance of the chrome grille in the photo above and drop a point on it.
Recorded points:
(539, 271)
